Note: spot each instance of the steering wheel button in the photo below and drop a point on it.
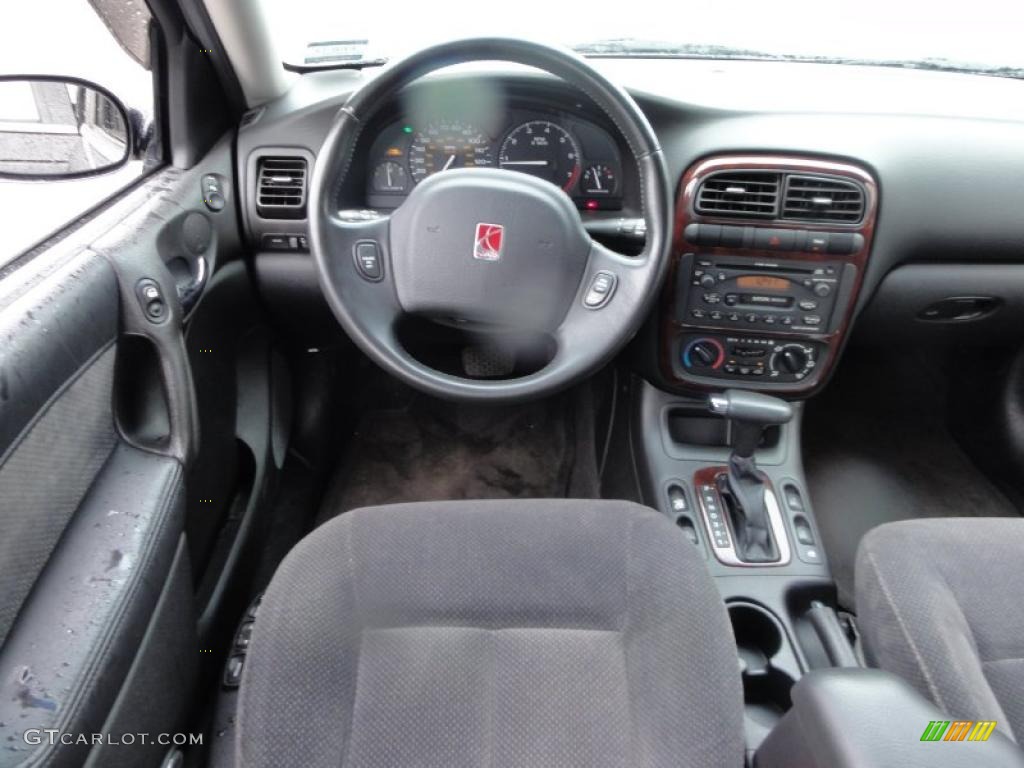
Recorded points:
(602, 286)
(367, 257)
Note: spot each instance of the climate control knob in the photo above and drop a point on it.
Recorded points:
(703, 353)
(792, 360)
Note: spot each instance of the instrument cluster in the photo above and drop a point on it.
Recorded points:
(575, 154)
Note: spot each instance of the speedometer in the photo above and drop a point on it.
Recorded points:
(447, 144)
(543, 149)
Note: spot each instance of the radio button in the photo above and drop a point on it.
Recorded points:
(845, 242)
(817, 242)
(712, 298)
(769, 319)
(822, 289)
(812, 320)
(734, 316)
(808, 306)
(709, 234)
(751, 318)
(697, 313)
(715, 315)
(732, 237)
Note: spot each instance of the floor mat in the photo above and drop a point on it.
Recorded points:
(425, 449)
(876, 453)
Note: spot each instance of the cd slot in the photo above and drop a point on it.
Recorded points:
(761, 267)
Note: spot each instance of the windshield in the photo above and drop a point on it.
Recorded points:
(980, 36)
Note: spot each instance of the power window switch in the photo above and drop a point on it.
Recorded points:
(233, 671)
(244, 636)
(804, 534)
(151, 299)
(677, 500)
(793, 499)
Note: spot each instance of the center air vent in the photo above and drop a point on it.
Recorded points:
(818, 198)
(741, 194)
(281, 188)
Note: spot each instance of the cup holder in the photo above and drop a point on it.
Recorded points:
(767, 662)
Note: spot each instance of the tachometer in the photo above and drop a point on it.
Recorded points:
(447, 144)
(543, 149)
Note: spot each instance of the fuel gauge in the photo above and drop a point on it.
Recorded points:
(599, 179)
(390, 177)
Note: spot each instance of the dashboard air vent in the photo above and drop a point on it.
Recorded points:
(741, 194)
(818, 198)
(281, 188)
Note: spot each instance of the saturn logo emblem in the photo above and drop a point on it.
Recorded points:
(489, 240)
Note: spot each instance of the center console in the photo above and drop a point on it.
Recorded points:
(768, 257)
(769, 254)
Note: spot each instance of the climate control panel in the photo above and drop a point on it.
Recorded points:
(778, 360)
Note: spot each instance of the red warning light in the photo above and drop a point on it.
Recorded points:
(591, 205)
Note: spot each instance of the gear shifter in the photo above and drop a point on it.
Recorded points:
(743, 488)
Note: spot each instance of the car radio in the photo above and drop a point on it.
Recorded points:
(755, 293)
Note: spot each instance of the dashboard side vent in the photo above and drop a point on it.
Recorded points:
(281, 188)
(819, 198)
(741, 194)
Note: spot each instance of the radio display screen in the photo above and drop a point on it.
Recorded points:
(763, 282)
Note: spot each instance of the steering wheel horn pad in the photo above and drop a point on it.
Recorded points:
(488, 246)
(493, 247)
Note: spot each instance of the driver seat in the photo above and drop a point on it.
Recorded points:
(492, 633)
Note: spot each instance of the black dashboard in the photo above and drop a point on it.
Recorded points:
(562, 147)
(937, 158)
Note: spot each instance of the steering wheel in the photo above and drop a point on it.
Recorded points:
(498, 249)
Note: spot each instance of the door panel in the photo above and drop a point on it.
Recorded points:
(97, 430)
(107, 484)
(56, 420)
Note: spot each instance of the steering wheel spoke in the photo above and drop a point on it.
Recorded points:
(353, 254)
(606, 301)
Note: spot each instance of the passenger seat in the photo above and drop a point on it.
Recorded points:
(939, 604)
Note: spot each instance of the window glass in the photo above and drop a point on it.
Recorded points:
(100, 41)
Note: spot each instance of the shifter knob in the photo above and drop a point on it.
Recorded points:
(740, 405)
(751, 413)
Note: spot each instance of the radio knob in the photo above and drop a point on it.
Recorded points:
(708, 281)
(822, 289)
(791, 360)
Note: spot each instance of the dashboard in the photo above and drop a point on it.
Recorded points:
(569, 151)
(759, 295)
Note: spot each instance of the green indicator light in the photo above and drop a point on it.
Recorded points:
(407, 129)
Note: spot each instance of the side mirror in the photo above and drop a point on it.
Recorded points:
(60, 128)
